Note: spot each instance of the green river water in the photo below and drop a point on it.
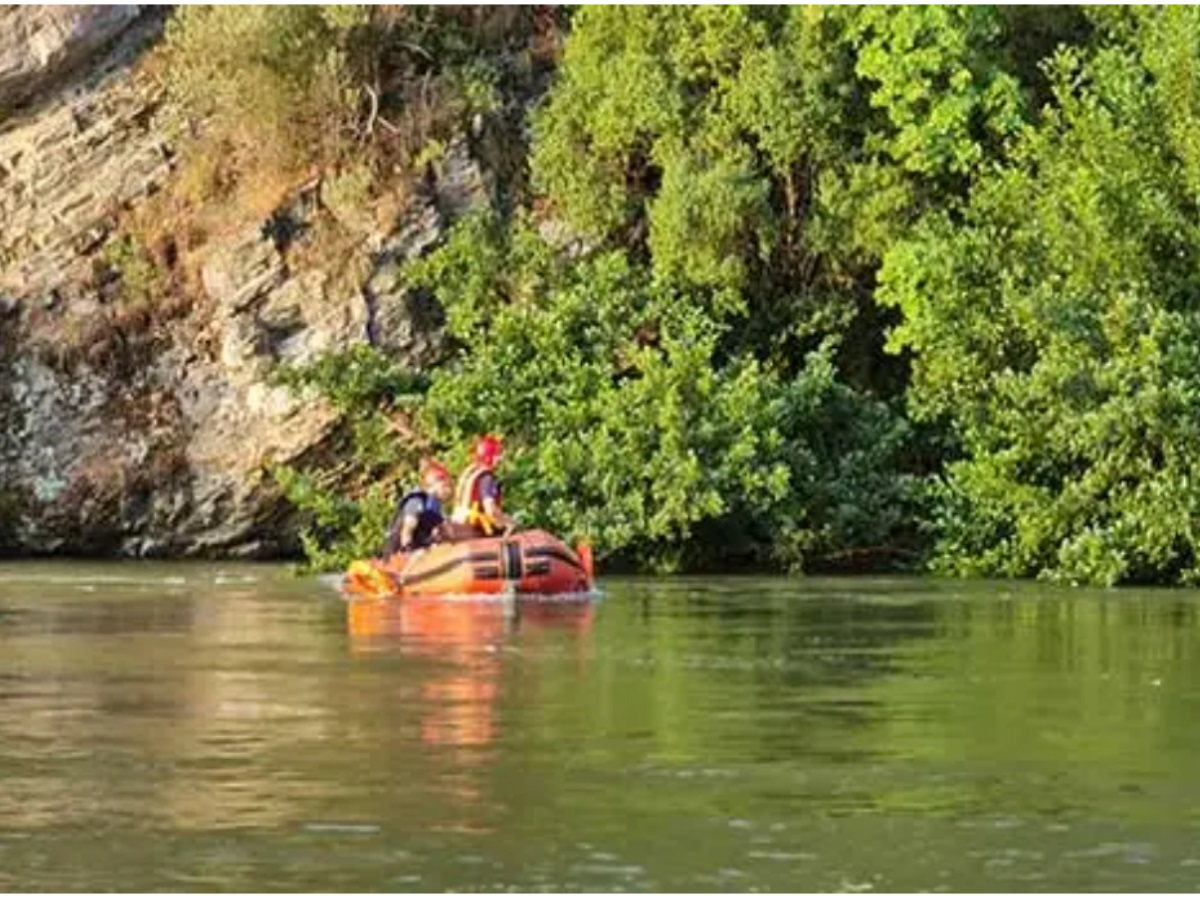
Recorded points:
(212, 728)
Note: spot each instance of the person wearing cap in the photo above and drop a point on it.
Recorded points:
(419, 521)
(478, 498)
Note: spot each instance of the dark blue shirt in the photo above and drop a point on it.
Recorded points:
(427, 510)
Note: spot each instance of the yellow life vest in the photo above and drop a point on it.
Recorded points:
(467, 509)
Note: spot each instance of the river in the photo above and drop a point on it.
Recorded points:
(233, 728)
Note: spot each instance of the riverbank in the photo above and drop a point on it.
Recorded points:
(775, 288)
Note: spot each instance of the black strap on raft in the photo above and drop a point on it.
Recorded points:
(537, 554)
(510, 561)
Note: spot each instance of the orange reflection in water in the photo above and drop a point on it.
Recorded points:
(470, 634)
(459, 702)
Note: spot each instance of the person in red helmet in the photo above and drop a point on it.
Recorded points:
(478, 498)
(420, 521)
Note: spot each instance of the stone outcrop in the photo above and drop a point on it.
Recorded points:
(41, 45)
(157, 440)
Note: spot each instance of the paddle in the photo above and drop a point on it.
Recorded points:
(408, 564)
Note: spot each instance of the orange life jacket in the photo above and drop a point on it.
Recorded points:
(468, 505)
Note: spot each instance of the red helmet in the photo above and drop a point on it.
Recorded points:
(489, 450)
(431, 468)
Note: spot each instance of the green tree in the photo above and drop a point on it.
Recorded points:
(774, 153)
(680, 335)
(1054, 325)
(693, 137)
(627, 424)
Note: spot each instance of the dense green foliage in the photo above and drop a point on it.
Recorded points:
(766, 155)
(631, 429)
(350, 503)
(1055, 324)
(801, 285)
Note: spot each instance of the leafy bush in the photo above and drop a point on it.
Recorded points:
(134, 268)
(349, 504)
(1055, 327)
(339, 529)
(773, 152)
(627, 425)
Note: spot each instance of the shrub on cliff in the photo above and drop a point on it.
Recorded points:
(349, 504)
(280, 92)
(275, 88)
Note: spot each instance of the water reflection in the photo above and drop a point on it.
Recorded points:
(459, 696)
(683, 734)
(467, 644)
(470, 640)
(150, 698)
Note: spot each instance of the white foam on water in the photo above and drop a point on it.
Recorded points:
(74, 580)
(782, 855)
(223, 578)
(341, 827)
(92, 582)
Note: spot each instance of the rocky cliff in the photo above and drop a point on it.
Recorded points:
(148, 430)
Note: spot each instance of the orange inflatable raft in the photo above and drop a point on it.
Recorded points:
(529, 563)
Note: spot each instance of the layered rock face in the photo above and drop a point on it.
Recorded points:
(117, 438)
(40, 45)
